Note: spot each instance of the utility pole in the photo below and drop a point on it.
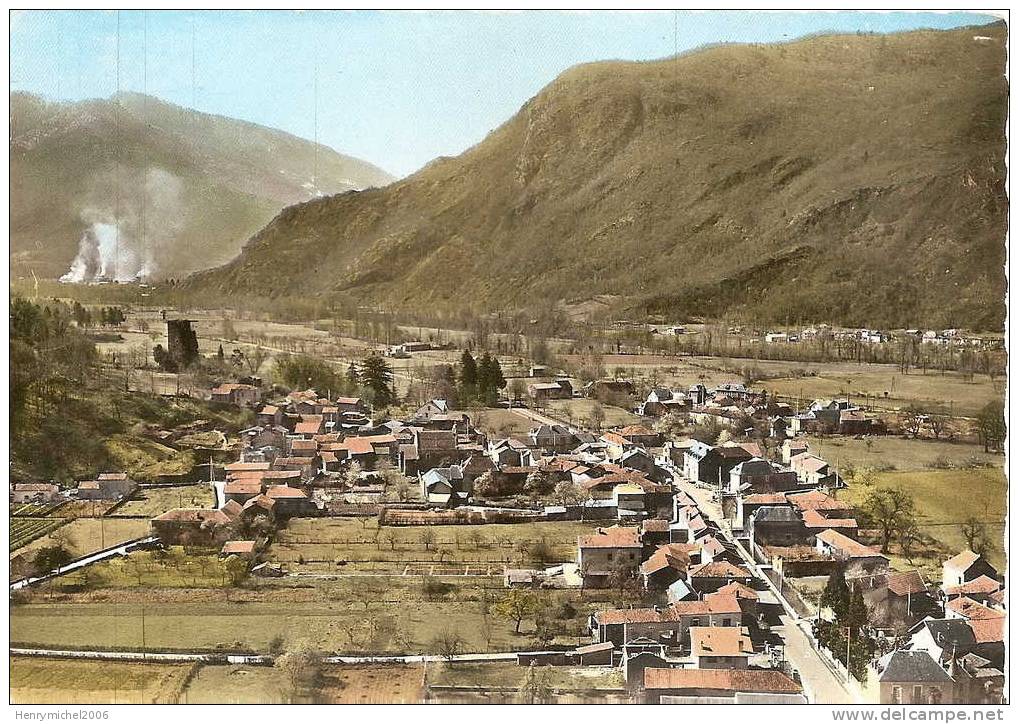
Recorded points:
(144, 651)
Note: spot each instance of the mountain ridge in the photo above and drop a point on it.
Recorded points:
(210, 181)
(680, 185)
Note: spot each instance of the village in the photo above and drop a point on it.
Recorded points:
(705, 549)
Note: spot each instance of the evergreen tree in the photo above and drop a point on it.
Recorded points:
(352, 376)
(857, 616)
(468, 376)
(219, 355)
(836, 594)
(377, 376)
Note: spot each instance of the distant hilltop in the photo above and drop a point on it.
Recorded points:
(134, 187)
(853, 178)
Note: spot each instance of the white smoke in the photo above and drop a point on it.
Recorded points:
(130, 245)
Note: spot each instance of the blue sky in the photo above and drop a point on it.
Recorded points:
(394, 88)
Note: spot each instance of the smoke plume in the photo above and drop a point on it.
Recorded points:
(128, 240)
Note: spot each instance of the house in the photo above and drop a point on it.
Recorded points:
(640, 435)
(683, 686)
(813, 471)
(553, 438)
(240, 548)
(236, 394)
(310, 425)
(431, 409)
(663, 401)
(445, 486)
(966, 608)
(721, 647)
(708, 464)
(270, 416)
(510, 451)
(669, 625)
(759, 476)
(608, 552)
(857, 557)
(34, 493)
(667, 565)
(710, 576)
(895, 599)
(776, 525)
(193, 526)
(542, 392)
(609, 389)
(242, 490)
(289, 502)
(108, 486)
(964, 567)
(981, 588)
(913, 677)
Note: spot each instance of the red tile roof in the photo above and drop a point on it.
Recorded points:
(962, 561)
(906, 583)
(850, 547)
(981, 584)
(719, 569)
(243, 487)
(720, 641)
(735, 680)
(284, 491)
(968, 608)
(813, 519)
(987, 630)
(238, 546)
(675, 612)
(614, 537)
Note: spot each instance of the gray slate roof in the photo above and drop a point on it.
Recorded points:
(910, 666)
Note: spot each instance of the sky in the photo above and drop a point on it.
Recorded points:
(394, 88)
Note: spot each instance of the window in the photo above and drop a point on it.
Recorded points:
(610, 556)
(726, 622)
(935, 695)
(896, 694)
(695, 622)
(917, 695)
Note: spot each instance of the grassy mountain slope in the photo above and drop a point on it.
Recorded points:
(210, 181)
(849, 178)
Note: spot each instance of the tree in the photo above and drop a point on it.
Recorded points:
(991, 426)
(517, 390)
(891, 510)
(836, 593)
(255, 358)
(377, 376)
(428, 538)
(974, 531)
(276, 645)
(536, 687)
(596, 417)
(516, 606)
(537, 483)
(301, 371)
(485, 486)
(448, 644)
(489, 379)
(569, 493)
(50, 558)
(302, 671)
(237, 569)
(468, 376)
(912, 420)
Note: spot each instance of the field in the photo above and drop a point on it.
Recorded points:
(509, 674)
(319, 544)
(342, 685)
(496, 423)
(945, 499)
(25, 530)
(150, 502)
(87, 535)
(345, 626)
(58, 681)
(143, 569)
(896, 453)
(578, 411)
